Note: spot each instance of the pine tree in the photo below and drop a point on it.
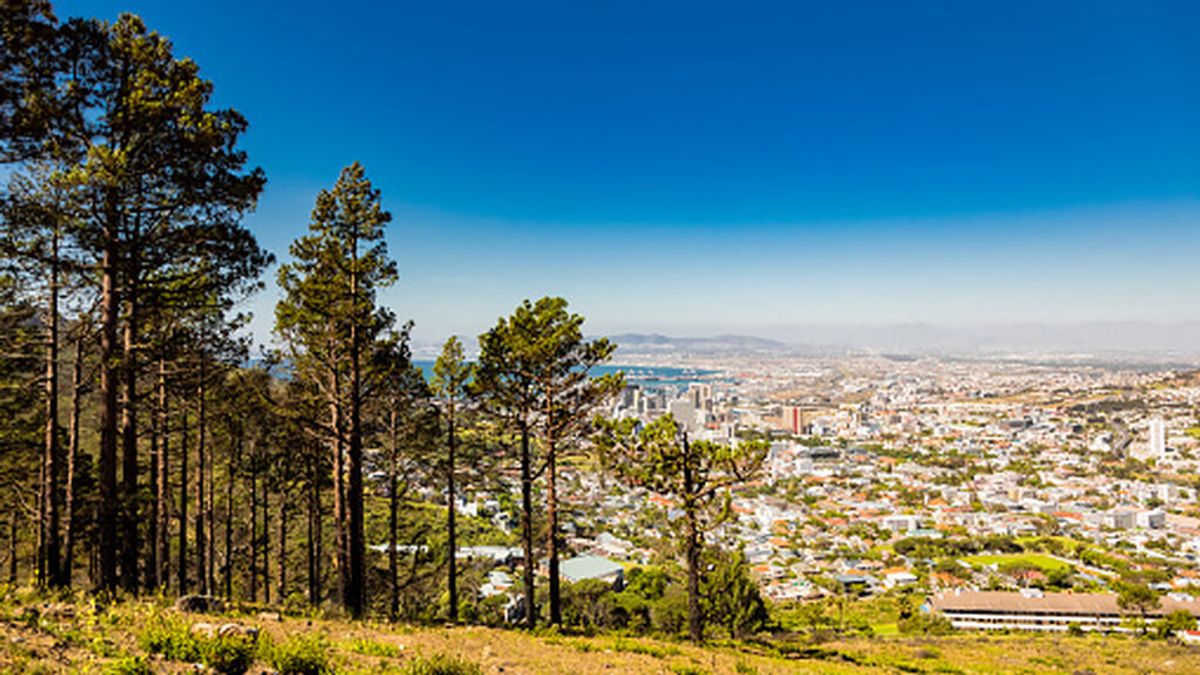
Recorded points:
(35, 217)
(404, 414)
(329, 319)
(699, 474)
(20, 421)
(535, 366)
(450, 383)
(506, 389)
(29, 62)
(160, 187)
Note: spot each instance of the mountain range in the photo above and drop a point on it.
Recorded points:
(1177, 340)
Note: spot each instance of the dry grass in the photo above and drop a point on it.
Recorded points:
(90, 641)
(1027, 653)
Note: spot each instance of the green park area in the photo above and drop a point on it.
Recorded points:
(1011, 560)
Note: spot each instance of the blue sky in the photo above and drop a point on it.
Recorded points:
(694, 168)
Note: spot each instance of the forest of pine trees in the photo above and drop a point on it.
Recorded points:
(146, 446)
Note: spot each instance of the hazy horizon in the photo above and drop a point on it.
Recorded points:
(1135, 340)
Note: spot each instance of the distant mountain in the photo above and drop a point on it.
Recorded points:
(654, 342)
(1084, 341)
(1085, 338)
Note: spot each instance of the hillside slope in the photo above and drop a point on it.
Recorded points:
(39, 636)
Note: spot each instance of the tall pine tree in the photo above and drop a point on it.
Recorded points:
(160, 186)
(329, 318)
(451, 378)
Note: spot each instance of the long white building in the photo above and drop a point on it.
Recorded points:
(1037, 611)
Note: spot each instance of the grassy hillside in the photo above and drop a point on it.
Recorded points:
(37, 635)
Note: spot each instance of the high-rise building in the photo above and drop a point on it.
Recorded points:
(1158, 437)
(701, 395)
(793, 418)
(683, 412)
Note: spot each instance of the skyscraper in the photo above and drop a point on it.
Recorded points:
(793, 418)
(1158, 437)
(701, 395)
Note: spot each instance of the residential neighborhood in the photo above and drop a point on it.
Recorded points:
(980, 484)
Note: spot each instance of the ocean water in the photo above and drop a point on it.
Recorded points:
(650, 377)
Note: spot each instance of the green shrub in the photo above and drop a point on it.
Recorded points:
(296, 604)
(229, 655)
(102, 647)
(130, 665)
(441, 664)
(170, 637)
(1173, 623)
(926, 624)
(301, 654)
(669, 613)
(591, 604)
(731, 596)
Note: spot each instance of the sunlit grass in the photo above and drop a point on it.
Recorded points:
(1038, 560)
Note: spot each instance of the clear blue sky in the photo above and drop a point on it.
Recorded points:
(692, 168)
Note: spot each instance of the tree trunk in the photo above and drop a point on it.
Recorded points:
(68, 563)
(129, 458)
(109, 499)
(266, 542)
(357, 574)
(309, 549)
(695, 619)
(341, 559)
(451, 507)
(234, 457)
(314, 534)
(163, 495)
(253, 576)
(281, 554)
(552, 533)
(52, 489)
(201, 540)
(394, 522)
(39, 548)
(181, 568)
(527, 526)
(210, 521)
(151, 565)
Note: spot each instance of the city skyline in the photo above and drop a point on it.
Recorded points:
(689, 172)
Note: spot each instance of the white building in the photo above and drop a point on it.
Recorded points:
(684, 413)
(1036, 611)
(1153, 520)
(1158, 438)
(701, 395)
(902, 523)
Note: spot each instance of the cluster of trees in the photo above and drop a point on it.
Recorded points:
(653, 600)
(837, 615)
(171, 460)
(122, 232)
(956, 547)
(660, 457)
